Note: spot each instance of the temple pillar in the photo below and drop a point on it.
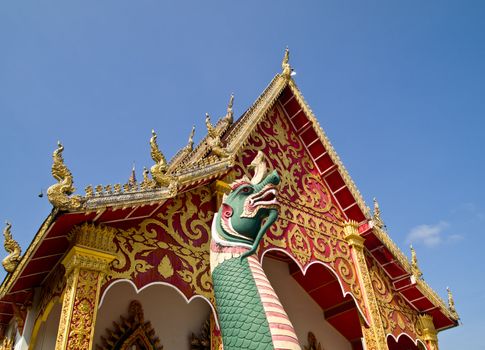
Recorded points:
(86, 264)
(374, 336)
(430, 335)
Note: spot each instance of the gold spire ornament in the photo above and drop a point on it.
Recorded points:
(230, 112)
(414, 265)
(190, 143)
(214, 137)
(285, 64)
(451, 302)
(376, 218)
(159, 169)
(11, 261)
(59, 194)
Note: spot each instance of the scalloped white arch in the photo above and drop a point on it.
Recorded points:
(304, 270)
(159, 283)
(406, 335)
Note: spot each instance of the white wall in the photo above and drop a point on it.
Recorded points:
(305, 314)
(46, 337)
(171, 317)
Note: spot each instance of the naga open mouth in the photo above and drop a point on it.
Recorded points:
(264, 199)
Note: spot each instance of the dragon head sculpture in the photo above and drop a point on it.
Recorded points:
(249, 209)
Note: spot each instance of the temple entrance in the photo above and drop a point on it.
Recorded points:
(156, 317)
(304, 297)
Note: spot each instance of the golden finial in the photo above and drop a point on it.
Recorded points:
(230, 113)
(377, 215)
(12, 247)
(285, 65)
(451, 302)
(59, 193)
(414, 264)
(99, 190)
(211, 131)
(190, 143)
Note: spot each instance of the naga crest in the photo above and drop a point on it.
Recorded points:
(249, 209)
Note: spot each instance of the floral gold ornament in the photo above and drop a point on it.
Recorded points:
(60, 193)
(11, 261)
(397, 315)
(177, 235)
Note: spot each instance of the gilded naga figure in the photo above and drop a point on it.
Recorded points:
(59, 194)
(11, 261)
(249, 312)
(159, 169)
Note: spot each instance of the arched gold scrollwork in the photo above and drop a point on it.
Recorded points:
(396, 314)
(173, 246)
(299, 245)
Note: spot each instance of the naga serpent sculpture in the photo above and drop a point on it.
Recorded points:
(11, 261)
(249, 312)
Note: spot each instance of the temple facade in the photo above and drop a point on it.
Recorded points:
(128, 266)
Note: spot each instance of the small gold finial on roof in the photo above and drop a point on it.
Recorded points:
(377, 216)
(147, 183)
(230, 113)
(285, 64)
(211, 131)
(414, 264)
(214, 137)
(451, 302)
(59, 193)
(11, 261)
(190, 143)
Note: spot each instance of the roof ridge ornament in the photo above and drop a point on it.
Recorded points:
(414, 265)
(451, 302)
(190, 142)
(159, 169)
(285, 64)
(230, 113)
(12, 247)
(214, 137)
(59, 194)
(376, 218)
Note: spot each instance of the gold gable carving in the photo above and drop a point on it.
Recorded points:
(131, 333)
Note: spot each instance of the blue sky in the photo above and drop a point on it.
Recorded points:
(397, 86)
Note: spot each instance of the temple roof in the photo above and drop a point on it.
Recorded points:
(211, 159)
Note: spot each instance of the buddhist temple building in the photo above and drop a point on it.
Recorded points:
(127, 266)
